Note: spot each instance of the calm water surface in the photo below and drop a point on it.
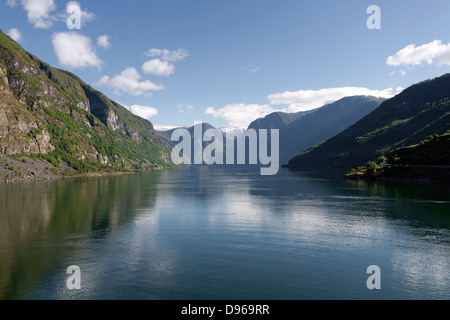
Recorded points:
(215, 233)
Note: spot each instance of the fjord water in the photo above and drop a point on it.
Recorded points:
(224, 233)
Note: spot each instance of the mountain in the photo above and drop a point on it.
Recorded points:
(427, 161)
(167, 134)
(202, 128)
(52, 115)
(232, 131)
(278, 120)
(299, 131)
(230, 138)
(419, 111)
(163, 128)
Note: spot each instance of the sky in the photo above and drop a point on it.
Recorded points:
(176, 62)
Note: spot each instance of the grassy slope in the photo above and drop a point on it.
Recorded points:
(81, 139)
(427, 161)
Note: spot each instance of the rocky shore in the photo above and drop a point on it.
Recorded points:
(23, 169)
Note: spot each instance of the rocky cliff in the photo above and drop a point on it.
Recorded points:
(53, 115)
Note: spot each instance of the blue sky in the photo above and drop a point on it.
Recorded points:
(231, 62)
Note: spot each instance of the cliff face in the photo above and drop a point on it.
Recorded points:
(47, 111)
(20, 130)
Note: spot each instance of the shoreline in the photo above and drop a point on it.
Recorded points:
(411, 174)
(24, 169)
(61, 177)
(358, 178)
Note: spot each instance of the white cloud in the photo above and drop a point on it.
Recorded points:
(304, 100)
(11, 3)
(251, 68)
(431, 53)
(75, 51)
(39, 12)
(103, 42)
(142, 111)
(185, 108)
(15, 34)
(240, 115)
(128, 81)
(158, 67)
(167, 55)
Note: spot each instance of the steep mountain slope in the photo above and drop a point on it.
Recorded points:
(432, 152)
(57, 117)
(427, 161)
(278, 120)
(406, 119)
(302, 130)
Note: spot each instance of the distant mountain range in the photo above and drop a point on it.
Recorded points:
(166, 131)
(406, 119)
(54, 116)
(299, 131)
(228, 136)
(167, 134)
